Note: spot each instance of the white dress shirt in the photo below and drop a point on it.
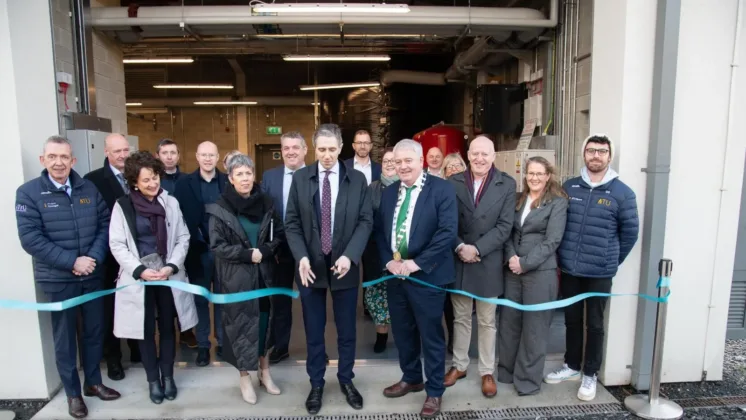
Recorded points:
(366, 169)
(420, 182)
(334, 181)
(526, 209)
(287, 182)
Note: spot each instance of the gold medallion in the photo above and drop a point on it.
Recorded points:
(397, 256)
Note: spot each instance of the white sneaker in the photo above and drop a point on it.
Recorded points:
(587, 391)
(562, 374)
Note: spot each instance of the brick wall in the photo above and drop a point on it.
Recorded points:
(191, 126)
(108, 67)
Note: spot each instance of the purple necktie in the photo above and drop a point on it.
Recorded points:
(326, 215)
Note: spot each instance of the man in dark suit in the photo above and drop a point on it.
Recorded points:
(63, 223)
(109, 180)
(167, 151)
(276, 182)
(195, 191)
(416, 227)
(362, 161)
(327, 224)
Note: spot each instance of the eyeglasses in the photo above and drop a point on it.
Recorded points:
(454, 166)
(601, 152)
(535, 174)
(388, 162)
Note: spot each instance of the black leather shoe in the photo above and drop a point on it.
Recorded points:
(203, 357)
(354, 399)
(76, 407)
(169, 388)
(115, 371)
(278, 356)
(313, 402)
(156, 392)
(103, 392)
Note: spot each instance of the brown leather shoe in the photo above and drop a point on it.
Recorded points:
(401, 389)
(76, 407)
(431, 408)
(489, 387)
(101, 391)
(452, 376)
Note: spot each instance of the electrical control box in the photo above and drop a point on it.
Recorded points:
(513, 162)
(88, 149)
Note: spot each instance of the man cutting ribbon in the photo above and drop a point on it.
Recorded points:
(416, 227)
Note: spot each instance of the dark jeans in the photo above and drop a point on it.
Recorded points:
(158, 300)
(206, 279)
(588, 313)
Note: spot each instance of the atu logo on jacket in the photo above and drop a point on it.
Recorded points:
(604, 202)
(85, 200)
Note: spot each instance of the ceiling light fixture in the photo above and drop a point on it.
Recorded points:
(226, 103)
(315, 103)
(134, 103)
(330, 8)
(148, 111)
(192, 86)
(336, 58)
(143, 60)
(340, 86)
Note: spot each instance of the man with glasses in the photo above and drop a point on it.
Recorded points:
(602, 227)
(362, 161)
(194, 192)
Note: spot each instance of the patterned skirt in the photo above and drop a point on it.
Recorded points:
(377, 303)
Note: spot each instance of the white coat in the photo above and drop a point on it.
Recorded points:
(129, 304)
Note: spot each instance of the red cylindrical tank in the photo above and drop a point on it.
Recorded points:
(447, 139)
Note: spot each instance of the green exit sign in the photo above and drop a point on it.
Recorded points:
(274, 130)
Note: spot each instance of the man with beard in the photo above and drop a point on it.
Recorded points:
(362, 162)
(602, 227)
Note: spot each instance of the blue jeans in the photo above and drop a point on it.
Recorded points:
(206, 279)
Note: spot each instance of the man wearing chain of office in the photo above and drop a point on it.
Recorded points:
(416, 227)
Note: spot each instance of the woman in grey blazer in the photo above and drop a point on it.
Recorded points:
(531, 276)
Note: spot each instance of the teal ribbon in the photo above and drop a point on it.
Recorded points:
(217, 298)
(662, 282)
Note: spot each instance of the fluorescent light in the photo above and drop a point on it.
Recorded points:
(192, 86)
(331, 8)
(315, 103)
(145, 60)
(340, 86)
(134, 103)
(226, 103)
(336, 58)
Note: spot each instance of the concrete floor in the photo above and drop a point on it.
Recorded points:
(213, 392)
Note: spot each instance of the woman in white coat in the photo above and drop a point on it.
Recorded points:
(149, 239)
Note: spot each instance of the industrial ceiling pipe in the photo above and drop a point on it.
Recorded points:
(412, 77)
(104, 18)
(189, 102)
(471, 57)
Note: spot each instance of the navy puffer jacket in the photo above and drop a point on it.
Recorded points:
(56, 229)
(602, 227)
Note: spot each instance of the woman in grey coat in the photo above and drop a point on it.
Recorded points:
(531, 277)
(245, 233)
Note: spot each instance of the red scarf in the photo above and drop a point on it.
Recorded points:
(470, 184)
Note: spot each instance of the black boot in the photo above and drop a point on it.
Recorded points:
(156, 391)
(169, 388)
(381, 340)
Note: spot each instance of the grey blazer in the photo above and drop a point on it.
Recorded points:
(487, 227)
(536, 242)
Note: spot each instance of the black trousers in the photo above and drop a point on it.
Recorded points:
(158, 300)
(64, 329)
(112, 344)
(282, 322)
(587, 314)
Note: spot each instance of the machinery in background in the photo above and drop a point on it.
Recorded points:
(88, 148)
(446, 138)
